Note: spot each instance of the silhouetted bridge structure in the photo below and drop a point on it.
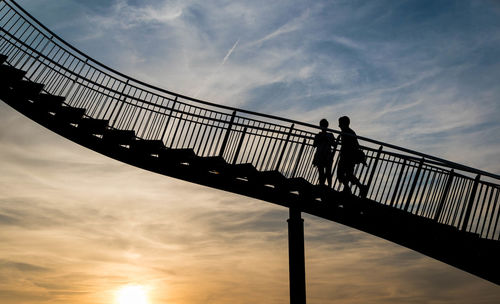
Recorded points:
(442, 209)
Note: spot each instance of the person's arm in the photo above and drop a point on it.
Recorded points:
(333, 142)
(315, 143)
(341, 139)
(355, 140)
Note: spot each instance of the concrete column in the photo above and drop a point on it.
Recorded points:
(296, 258)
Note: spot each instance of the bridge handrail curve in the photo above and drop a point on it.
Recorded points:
(441, 160)
(287, 149)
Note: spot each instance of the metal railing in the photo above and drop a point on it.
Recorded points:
(424, 185)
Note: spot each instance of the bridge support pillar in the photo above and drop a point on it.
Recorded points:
(296, 257)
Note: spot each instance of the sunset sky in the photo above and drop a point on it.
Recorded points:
(78, 227)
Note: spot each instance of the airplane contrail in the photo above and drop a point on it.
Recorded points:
(230, 52)
(204, 83)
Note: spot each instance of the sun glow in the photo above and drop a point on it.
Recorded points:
(132, 294)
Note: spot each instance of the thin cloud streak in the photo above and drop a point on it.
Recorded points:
(230, 52)
(204, 84)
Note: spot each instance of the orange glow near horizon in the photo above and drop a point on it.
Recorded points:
(132, 294)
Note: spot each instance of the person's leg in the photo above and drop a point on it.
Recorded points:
(350, 175)
(329, 173)
(363, 190)
(342, 174)
(322, 176)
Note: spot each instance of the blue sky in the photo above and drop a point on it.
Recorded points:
(419, 74)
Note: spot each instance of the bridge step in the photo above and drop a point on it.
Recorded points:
(93, 126)
(10, 75)
(27, 89)
(70, 114)
(299, 184)
(120, 137)
(182, 155)
(148, 146)
(211, 162)
(49, 102)
(246, 170)
(272, 177)
(3, 58)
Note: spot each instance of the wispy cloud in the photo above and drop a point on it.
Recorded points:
(75, 225)
(230, 52)
(217, 70)
(290, 26)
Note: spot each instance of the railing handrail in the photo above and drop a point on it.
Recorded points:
(399, 177)
(54, 35)
(451, 164)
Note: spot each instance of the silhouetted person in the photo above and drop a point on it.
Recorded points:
(323, 157)
(348, 155)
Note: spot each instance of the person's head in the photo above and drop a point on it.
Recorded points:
(344, 122)
(323, 124)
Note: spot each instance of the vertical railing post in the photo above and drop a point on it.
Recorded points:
(278, 164)
(444, 196)
(299, 158)
(471, 202)
(240, 143)
(121, 104)
(414, 184)
(370, 179)
(176, 130)
(168, 119)
(226, 136)
(74, 82)
(396, 189)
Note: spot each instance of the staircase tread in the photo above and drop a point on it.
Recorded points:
(181, 151)
(93, 125)
(69, 111)
(178, 154)
(69, 114)
(27, 88)
(243, 170)
(211, 162)
(48, 101)
(44, 97)
(272, 174)
(213, 159)
(10, 69)
(148, 144)
(10, 75)
(246, 166)
(299, 183)
(95, 120)
(119, 136)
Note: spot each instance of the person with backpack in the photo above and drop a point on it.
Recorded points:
(350, 155)
(324, 142)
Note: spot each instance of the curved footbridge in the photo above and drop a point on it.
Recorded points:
(442, 209)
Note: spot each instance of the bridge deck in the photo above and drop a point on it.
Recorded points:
(463, 250)
(442, 209)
